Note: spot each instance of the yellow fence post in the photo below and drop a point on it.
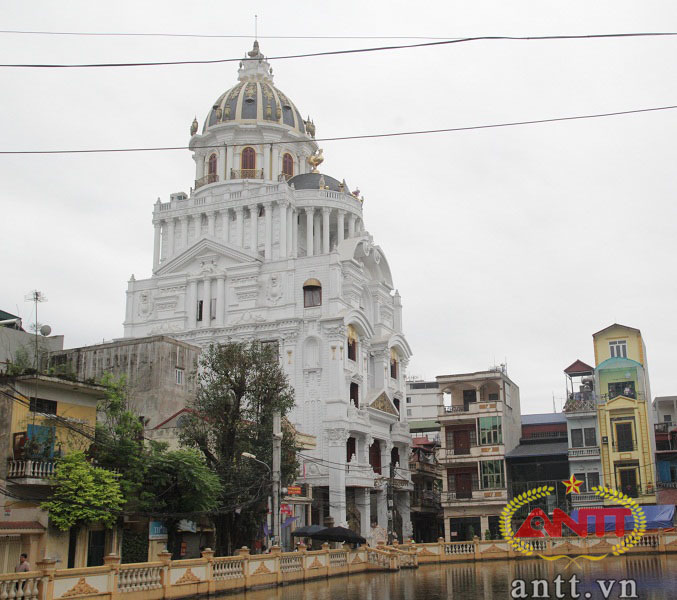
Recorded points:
(46, 586)
(112, 561)
(208, 556)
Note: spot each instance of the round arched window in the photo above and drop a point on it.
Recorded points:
(211, 169)
(248, 160)
(312, 293)
(287, 165)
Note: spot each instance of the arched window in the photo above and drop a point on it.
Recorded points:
(248, 162)
(394, 364)
(375, 456)
(211, 169)
(312, 293)
(287, 165)
(351, 448)
(352, 343)
(355, 394)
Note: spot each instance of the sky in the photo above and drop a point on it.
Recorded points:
(508, 245)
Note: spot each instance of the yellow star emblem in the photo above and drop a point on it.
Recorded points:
(573, 485)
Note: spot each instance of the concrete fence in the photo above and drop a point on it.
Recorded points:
(167, 579)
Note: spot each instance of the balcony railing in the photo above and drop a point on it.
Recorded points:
(664, 427)
(541, 435)
(585, 498)
(246, 173)
(590, 451)
(211, 178)
(580, 403)
(668, 485)
(30, 469)
(426, 498)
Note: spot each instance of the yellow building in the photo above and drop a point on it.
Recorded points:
(623, 412)
(42, 418)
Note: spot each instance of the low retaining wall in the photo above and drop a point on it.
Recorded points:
(209, 575)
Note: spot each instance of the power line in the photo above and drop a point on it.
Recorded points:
(358, 137)
(342, 52)
(225, 35)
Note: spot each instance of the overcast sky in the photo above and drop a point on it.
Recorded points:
(511, 244)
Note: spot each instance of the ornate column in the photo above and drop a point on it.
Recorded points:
(221, 167)
(220, 300)
(207, 303)
(170, 238)
(268, 208)
(191, 303)
(283, 228)
(225, 227)
(336, 452)
(340, 225)
(402, 501)
(239, 226)
(290, 237)
(310, 215)
(363, 503)
(184, 231)
(295, 234)
(351, 225)
(317, 233)
(254, 228)
(229, 162)
(156, 245)
(266, 162)
(211, 223)
(199, 166)
(326, 213)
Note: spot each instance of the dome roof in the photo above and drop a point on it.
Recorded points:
(255, 98)
(311, 181)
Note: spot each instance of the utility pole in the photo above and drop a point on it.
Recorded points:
(391, 503)
(277, 456)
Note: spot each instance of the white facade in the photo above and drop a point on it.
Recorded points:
(583, 436)
(232, 259)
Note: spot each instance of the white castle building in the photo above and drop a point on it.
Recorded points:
(266, 247)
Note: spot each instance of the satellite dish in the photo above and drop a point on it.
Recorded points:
(45, 330)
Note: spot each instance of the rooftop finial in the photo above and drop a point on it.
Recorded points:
(255, 52)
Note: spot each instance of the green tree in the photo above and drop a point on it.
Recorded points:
(240, 386)
(155, 482)
(83, 494)
(181, 485)
(119, 443)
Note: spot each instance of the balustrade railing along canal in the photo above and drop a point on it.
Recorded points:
(168, 579)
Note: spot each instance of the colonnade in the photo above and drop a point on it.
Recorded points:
(324, 228)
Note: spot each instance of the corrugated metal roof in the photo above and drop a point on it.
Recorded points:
(543, 419)
(550, 449)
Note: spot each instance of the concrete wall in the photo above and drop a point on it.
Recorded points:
(150, 365)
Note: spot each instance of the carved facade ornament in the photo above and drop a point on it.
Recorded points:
(310, 127)
(81, 588)
(207, 267)
(384, 404)
(145, 305)
(188, 577)
(250, 91)
(336, 437)
(315, 160)
(193, 127)
(261, 570)
(275, 288)
(316, 564)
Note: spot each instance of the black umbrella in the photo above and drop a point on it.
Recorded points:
(308, 530)
(338, 534)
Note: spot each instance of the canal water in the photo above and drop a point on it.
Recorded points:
(655, 577)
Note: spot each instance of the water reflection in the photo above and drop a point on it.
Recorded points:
(656, 577)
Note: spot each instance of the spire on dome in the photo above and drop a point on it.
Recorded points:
(254, 66)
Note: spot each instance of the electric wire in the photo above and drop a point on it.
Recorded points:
(357, 137)
(340, 52)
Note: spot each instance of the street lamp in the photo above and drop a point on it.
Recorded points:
(276, 496)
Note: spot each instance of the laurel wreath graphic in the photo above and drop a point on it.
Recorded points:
(526, 548)
(505, 523)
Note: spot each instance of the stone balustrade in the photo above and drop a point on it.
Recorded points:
(210, 576)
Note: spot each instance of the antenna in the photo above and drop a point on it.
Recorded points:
(36, 297)
(256, 27)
